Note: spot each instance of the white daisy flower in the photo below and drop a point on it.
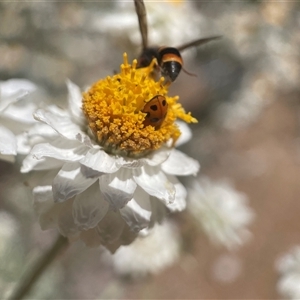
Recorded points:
(221, 212)
(105, 167)
(15, 115)
(150, 253)
(289, 268)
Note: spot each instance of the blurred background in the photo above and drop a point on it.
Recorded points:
(246, 98)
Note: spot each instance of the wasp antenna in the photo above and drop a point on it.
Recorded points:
(198, 42)
(142, 18)
(190, 74)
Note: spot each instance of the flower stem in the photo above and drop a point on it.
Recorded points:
(30, 277)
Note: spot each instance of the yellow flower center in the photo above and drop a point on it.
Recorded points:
(120, 113)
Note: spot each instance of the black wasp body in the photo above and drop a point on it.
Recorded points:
(168, 58)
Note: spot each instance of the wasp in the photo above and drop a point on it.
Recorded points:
(169, 59)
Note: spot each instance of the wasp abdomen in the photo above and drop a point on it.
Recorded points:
(170, 62)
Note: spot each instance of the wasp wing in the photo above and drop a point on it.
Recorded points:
(198, 42)
(142, 17)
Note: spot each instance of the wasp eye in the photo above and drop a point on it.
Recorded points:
(164, 102)
(154, 107)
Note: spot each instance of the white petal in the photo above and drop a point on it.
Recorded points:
(118, 188)
(155, 183)
(89, 208)
(179, 203)
(89, 173)
(31, 163)
(180, 164)
(59, 149)
(159, 211)
(66, 224)
(42, 131)
(22, 143)
(136, 216)
(56, 110)
(84, 139)
(42, 195)
(11, 87)
(99, 161)
(110, 227)
(186, 133)
(5, 101)
(12, 90)
(150, 253)
(128, 162)
(75, 103)
(21, 111)
(8, 143)
(70, 182)
(37, 134)
(61, 124)
(44, 206)
(52, 155)
(157, 157)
